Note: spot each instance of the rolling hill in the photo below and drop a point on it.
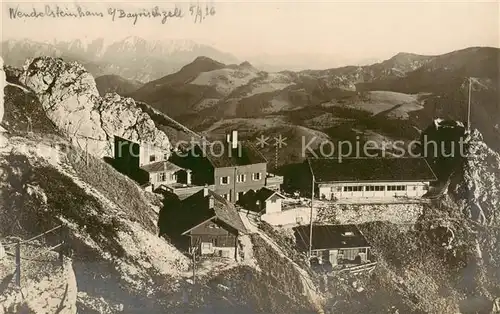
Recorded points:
(116, 84)
(393, 99)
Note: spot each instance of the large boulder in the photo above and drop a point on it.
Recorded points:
(69, 96)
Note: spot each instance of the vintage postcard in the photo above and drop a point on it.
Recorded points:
(250, 157)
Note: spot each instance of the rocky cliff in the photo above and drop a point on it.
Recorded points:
(70, 98)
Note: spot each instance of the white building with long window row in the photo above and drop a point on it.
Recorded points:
(365, 178)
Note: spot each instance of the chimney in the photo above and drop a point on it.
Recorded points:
(211, 202)
(228, 138)
(234, 139)
(165, 166)
(205, 190)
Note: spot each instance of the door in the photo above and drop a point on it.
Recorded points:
(333, 257)
(363, 257)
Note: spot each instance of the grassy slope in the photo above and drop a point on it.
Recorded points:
(116, 84)
(20, 106)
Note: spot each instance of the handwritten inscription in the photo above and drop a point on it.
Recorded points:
(196, 12)
(154, 13)
(54, 12)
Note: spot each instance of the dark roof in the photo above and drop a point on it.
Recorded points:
(221, 156)
(329, 237)
(200, 211)
(370, 169)
(264, 193)
(160, 166)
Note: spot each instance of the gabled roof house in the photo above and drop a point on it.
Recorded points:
(337, 244)
(233, 167)
(371, 177)
(211, 222)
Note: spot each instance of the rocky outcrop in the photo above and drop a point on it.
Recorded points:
(477, 189)
(69, 96)
(56, 292)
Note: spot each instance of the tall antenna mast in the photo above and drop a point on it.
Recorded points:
(311, 213)
(468, 105)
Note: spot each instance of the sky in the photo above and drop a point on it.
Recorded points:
(350, 29)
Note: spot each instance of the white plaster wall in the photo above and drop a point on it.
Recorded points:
(273, 207)
(153, 178)
(413, 189)
(147, 150)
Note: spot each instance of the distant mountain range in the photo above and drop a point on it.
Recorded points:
(138, 59)
(302, 61)
(212, 92)
(392, 99)
(133, 58)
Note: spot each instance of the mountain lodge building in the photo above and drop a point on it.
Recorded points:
(212, 224)
(358, 178)
(231, 168)
(336, 244)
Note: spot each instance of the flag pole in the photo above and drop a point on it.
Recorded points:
(311, 220)
(311, 213)
(468, 106)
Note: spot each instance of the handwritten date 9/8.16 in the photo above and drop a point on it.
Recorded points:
(200, 12)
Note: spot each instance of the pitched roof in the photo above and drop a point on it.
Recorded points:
(264, 194)
(200, 211)
(160, 166)
(370, 169)
(221, 156)
(329, 237)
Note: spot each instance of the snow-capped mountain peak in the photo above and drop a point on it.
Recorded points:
(132, 57)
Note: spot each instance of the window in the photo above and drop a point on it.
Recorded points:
(173, 177)
(241, 178)
(227, 196)
(162, 177)
(396, 188)
(152, 158)
(353, 188)
(224, 180)
(256, 176)
(374, 188)
(206, 245)
(165, 156)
